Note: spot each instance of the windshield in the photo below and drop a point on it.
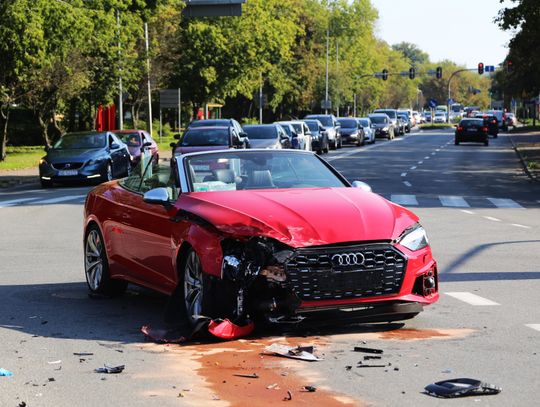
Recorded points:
(81, 140)
(239, 170)
(261, 132)
(378, 119)
(131, 139)
(348, 123)
(313, 126)
(209, 123)
(390, 113)
(364, 122)
(325, 120)
(205, 137)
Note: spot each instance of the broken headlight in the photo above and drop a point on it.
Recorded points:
(414, 238)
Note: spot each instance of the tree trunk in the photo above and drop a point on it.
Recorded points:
(44, 133)
(4, 116)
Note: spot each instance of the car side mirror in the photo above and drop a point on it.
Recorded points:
(237, 142)
(361, 185)
(157, 196)
(243, 134)
(115, 146)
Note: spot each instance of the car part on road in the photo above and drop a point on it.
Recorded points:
(299, 352)
(5, 373)
(248, 376)
(460, 388)
(367, 350)
(228, 330)
(309, 389)
(288, 397)
(110, 369)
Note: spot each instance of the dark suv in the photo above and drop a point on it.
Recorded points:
(332, 127)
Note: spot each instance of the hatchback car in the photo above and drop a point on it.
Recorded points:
(471, 130)
(207, 138)
(137, 141)
(351, 131)
(85, 156)
(332, 127)
(440, 117)
(382, 125)
(319, 136)
(222, 122)
(369, 132)
(240, 242)
(268, 136)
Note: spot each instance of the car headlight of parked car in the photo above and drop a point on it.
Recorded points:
(96, 161)
(414, 238)
(385, 128)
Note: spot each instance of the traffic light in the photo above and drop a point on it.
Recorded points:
(480, 68)
(509, 67)
(385, 74)
(412, 73)
(438, 72)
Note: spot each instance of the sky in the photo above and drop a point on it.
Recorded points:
(461, 31)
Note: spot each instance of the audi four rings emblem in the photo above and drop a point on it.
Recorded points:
(348, 259)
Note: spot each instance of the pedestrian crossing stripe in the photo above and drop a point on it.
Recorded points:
(504, 203)
(451, 201)
(454, 201)
(40, 201)
(471, 299)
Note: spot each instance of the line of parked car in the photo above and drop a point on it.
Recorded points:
(103, 156)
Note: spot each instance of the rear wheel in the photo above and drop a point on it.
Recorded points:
(96, 266)
(46, 183)
(456, 142)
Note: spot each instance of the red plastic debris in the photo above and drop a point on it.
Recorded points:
(228, 330)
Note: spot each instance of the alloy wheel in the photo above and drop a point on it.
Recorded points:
(193, 286)
(93, 260)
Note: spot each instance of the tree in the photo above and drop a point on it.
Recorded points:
(412, 53)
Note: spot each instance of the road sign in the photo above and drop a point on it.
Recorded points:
(432, 103)
(326, 104)
(169, 98)
(451, 101)
(489, 68)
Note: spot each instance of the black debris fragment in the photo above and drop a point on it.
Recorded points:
(309, 389)
(367, 350)
(110, 369)
(461, 387)
(288, 397)
(348, 367)
(248, 376)
(52, 379)
(369, 357)
(83, 354)
(371, 365)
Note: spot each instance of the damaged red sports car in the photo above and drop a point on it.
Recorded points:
(277, 235)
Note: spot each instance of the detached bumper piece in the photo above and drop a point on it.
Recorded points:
(460, 388)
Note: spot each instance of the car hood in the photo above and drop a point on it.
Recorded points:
(348, 130)
(80, 155)
(381, 125)
(262, 143)
(301, 217)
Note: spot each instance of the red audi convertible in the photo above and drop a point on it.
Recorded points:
(272, 234)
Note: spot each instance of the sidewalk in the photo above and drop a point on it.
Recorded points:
(9, 179)
(527, 146)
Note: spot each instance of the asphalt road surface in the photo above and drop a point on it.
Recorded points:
(483, 219)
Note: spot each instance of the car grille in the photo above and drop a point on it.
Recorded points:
(67, 166)
(365, 271)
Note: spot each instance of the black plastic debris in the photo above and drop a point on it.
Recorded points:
(367, 350)
(83, 354)
(110, 369)
(248, 376)
(461, 387)
(371, 366)
(369, 357)
(309, 389)
(348, 367)
(288, 397)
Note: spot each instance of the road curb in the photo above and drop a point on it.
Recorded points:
(532, 176)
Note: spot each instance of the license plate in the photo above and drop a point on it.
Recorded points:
(65, 173)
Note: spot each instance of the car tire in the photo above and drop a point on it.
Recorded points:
(96, 266)
(333, 146)
(196, 287)
(486, 143)
(46, 183)
(340, 143)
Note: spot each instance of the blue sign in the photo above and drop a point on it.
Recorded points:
(451, 101)
(432, 103)
(489, 68)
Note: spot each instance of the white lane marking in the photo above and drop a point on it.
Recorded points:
(466, 211)
(454, 201)
(520, 226)
(420, 162)
(533, 326)
(14, 202)
(407, 183)
(433, 153)
(471, 299)
(427, 157)
(403, 174)
(413, 167)
(404, 199)
(59, 199)
(505, 203)
(437, 149)
(492, 218)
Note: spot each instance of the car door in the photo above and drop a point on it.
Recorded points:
(148, 248)
(119, 155)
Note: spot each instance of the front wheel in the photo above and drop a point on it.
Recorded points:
(46, 183)
(196, 291)
(96, 266)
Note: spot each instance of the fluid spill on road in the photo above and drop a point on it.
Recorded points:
(421, 334)
(276, 376)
